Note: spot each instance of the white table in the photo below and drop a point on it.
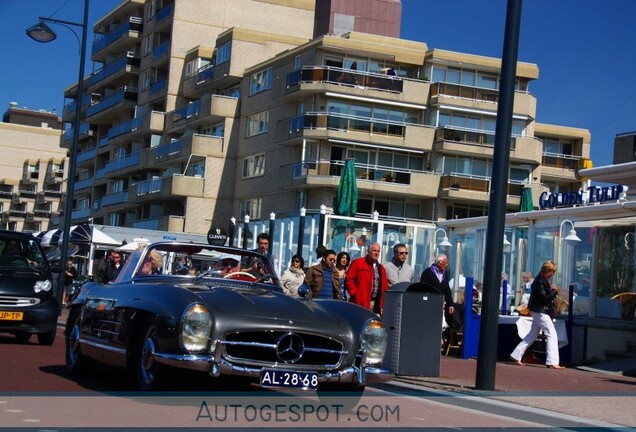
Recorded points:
(523, 327)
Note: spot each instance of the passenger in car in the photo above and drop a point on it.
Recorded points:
(151, 264)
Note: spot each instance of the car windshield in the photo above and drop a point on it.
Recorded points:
(203, 261)
(20, 253)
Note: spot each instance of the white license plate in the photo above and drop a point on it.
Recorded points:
(289, 379)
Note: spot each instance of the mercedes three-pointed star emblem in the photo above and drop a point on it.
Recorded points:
(290, 348)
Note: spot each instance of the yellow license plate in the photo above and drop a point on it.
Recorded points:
(10, 316)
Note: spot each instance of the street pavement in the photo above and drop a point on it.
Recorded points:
(585, 393)
(603, 397)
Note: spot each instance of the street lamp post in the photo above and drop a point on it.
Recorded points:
(42, 33)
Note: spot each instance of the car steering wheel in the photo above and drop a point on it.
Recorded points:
(239, 273)
(19, 261)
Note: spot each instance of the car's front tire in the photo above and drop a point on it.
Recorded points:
(75, 361)
(150, 374)
(47, 339)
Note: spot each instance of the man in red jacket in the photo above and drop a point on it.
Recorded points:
(366, 280)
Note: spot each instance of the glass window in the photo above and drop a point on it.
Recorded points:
(468, 78)
(254, 166)
(487, 81)
(453, 76)
(261, 81)
(257, 124)
(439, 75)
(223, 53)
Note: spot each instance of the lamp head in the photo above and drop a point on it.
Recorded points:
(572, 236)
(41, 32)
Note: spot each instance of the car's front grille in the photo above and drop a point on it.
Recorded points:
(6, 301)
(264, 347)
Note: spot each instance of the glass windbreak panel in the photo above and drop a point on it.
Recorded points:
(473, 122)
(439, 75)
(453, 76)
(468, 78)
(394, 234)
(480, 168)
(614, 285)
(385, 159)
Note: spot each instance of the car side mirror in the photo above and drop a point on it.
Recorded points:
(303, 290)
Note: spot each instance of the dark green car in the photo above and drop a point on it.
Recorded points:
(27, 299)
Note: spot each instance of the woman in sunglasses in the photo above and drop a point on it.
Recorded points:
(294, 276)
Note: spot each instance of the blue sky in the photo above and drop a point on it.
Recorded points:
(584, 50)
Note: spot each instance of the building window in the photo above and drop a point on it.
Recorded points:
(116, 186)
(261, 81)
(254, 166)
(145, 79)
(83, 203)
(251, 207)
(150, 10)
(217, 130)
(298, 62)
(147, 50)
(113, 219)
(223, 53)
(554, 146)
(257, 124)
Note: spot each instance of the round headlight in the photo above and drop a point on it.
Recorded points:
(196, 324)
(44, 285)
(373, 341)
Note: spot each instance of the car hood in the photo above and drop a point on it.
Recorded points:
(20, 283)
(267, 304)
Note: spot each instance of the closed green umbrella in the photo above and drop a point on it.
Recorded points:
(526, 200)
(345, 203)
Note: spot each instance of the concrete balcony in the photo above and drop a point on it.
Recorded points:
(164, 188)
(181, 150)
(120, 39)
(475, 188)
(479, 98)
(105, 111)
(170, 223)
(370, 178)
(323, 79)
(559, 167)
(368, 130)
(116, 72)
(208, 110)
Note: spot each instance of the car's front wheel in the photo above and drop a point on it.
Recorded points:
(149, 373)
(75, 361)
(47, 339)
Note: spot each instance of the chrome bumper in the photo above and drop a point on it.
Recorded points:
(216, 366)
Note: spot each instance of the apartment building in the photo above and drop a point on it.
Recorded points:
(206, 110)
(32, 169)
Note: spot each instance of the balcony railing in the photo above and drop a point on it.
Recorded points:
(469, 136)
(130, 59)
(127, 93)
(347, 123)
(161, 49)
(164, 13)
(81, 214)
(346, 77)
(134, 24)
(561, 161)
(169, 149)
(114, 198)
(86, 155)
(149, 186)
(83, 129)
(363, 171)
(114, 165)
(158, 86)
(458, 181)
(125, 127)
(84, 184)
(464, 92)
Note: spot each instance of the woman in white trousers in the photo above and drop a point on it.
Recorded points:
(542, 296)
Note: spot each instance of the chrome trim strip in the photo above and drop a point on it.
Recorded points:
(102, 346)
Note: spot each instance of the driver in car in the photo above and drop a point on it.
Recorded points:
(229, 266)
